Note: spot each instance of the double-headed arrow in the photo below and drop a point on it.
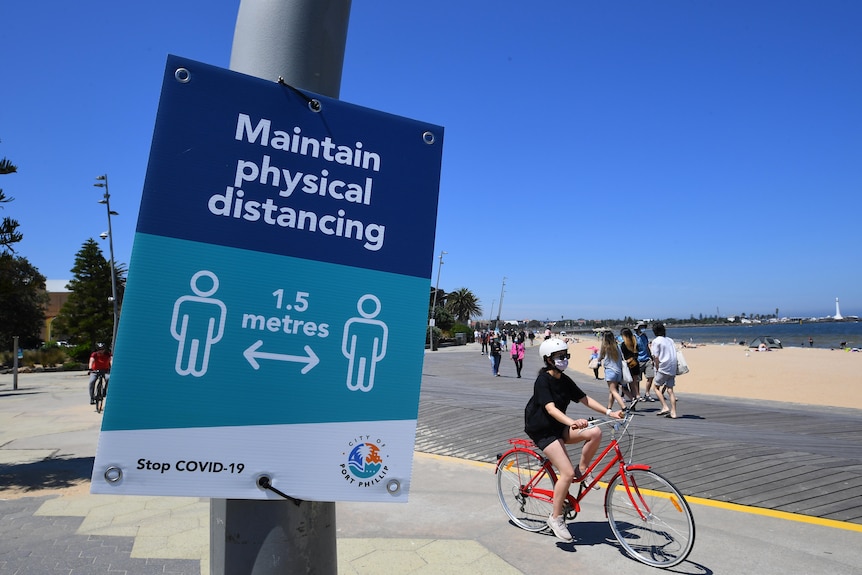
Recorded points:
(252, 355)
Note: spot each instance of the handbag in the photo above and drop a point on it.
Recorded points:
(594, 363)
(627, 373)
(681, 363)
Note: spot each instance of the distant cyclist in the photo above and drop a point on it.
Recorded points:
(551, 429)
(100, 360)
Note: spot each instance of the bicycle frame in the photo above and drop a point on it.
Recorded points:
(102, 378)
(574, 501)
(100, 388)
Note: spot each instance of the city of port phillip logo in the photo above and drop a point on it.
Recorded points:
(365, 462)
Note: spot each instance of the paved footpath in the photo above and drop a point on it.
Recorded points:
(453, 523)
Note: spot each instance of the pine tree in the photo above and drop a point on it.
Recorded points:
(23, 300)
(87, 316)
(9, 233)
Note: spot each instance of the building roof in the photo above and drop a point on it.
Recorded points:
(56, 286)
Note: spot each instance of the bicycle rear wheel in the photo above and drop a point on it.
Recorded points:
(527, 505)
(650, 518)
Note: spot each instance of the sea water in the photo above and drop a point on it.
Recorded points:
(825, 335)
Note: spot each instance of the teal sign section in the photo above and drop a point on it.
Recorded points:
(282, 260)
(228, 337)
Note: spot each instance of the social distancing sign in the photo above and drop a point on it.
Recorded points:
(275, 310)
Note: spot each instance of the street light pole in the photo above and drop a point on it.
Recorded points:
(500, 309)
(103, 183)
(431, 322)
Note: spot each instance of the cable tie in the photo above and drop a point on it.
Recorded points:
(265, 483)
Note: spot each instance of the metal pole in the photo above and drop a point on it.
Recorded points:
(432, 322)
(300, 40)
(500, 309)
(303, 42)
(103, 183)
(15, 363)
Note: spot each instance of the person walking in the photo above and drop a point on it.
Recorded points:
(496, 354)
(664, 355)
(611, 359)
(484, 342)
(647, 369)
(518, 354)
(594, 363)
(546, 423)
(629, 347)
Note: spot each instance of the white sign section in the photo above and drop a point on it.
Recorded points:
(273, 325)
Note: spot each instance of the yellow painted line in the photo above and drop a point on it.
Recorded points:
(799, 518)
(776, 514)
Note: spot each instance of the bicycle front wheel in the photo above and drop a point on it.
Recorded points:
(526, 490)
(100, 395)
(650, 518)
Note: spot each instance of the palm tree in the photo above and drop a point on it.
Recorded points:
(463, 304)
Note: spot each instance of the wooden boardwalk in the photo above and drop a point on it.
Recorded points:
(774, 455)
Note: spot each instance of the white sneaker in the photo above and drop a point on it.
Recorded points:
(558, 526)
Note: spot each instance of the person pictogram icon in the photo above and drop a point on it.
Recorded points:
(364, 344)
(197, 324)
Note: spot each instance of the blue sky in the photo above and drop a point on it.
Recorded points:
(630, 158)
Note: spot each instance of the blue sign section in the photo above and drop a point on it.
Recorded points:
(243, 162)
(221, 336)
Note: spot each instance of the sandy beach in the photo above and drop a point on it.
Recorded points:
(796, 375)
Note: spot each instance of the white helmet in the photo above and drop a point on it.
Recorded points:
(552, 346)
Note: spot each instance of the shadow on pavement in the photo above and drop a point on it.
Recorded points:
(53, 473)
(13, 393)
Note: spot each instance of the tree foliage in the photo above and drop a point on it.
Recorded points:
(87, 316)
(443, 318)
(9, 233)
(438, 301)
(463, 304)
(23, 300)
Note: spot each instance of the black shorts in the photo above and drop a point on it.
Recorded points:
(545, 437)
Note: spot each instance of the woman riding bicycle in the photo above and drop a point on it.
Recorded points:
(547, 424)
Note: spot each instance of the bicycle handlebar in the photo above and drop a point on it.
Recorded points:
(625, 419)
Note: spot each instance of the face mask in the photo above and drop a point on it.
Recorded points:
(561, 364)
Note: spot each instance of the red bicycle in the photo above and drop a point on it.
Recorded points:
(648, 515)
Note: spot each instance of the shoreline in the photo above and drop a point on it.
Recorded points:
(812, 376)
(826, 334)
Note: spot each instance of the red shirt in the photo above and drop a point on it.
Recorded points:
(100, 361)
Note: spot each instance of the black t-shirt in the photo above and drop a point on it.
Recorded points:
(548, 389)
(633, 356)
